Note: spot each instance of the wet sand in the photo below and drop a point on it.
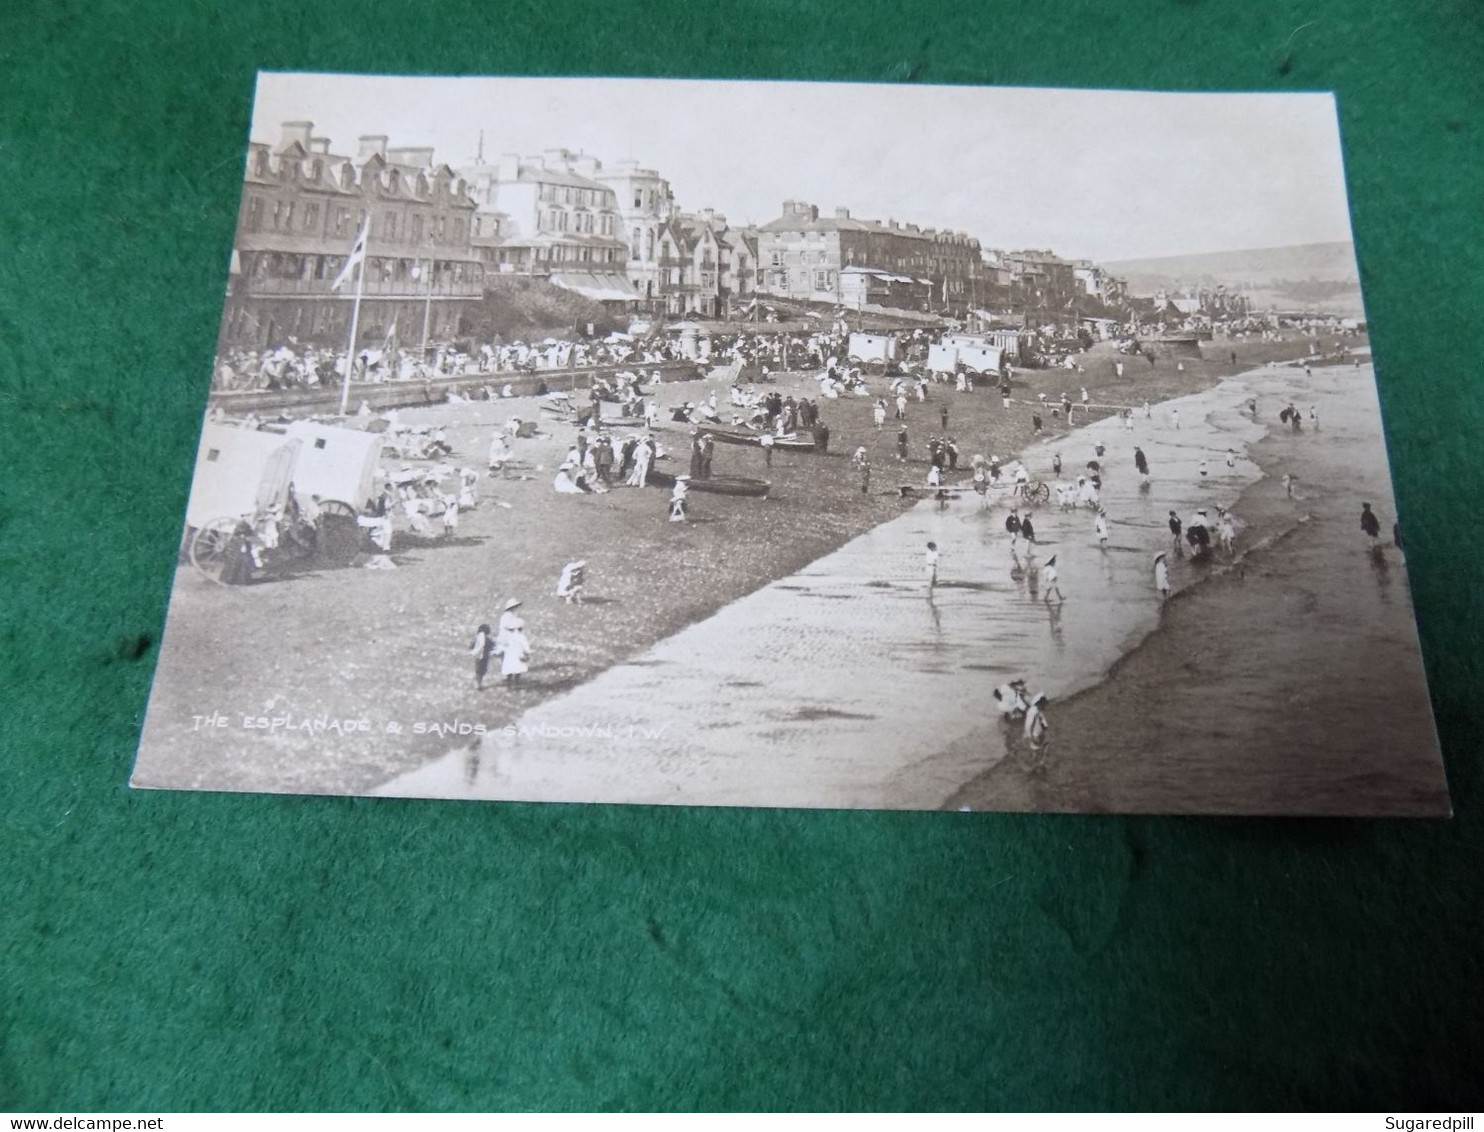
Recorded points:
(1291, 684)
(844, 685)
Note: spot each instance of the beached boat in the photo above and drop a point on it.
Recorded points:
(792, 442)
(716, 485)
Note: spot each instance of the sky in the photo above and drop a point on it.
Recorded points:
(1102, 175)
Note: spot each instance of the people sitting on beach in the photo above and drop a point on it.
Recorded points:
(568, 480)
(571, 581)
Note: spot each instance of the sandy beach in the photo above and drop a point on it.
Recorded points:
(730, 711)
(777, 653)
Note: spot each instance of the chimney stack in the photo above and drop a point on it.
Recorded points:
(371, 144)
(319, 145)
(842, 213)
(420, 156)
(293, 132)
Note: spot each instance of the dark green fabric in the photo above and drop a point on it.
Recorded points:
(179, 951)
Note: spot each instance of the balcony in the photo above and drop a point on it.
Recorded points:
(267, 286)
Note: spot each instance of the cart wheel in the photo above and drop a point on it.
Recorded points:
(1040, 493)
(209, 546)
(339, 538)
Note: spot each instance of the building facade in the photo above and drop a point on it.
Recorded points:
(551, 216)
(645, 205)
(302, 209)
(802, 255)
(706, 267)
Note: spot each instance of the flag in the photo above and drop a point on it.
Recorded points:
(357, 255)
(389, 346)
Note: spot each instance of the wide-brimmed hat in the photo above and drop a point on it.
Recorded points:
(1051, 561)
(1158, 556)
(511, 604)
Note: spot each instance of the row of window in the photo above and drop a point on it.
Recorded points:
(560, 253)
(287, 215)
(556, 220)
(582, 198)
(287, 265)
(395, 185)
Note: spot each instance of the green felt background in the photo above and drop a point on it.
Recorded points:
(178, 951)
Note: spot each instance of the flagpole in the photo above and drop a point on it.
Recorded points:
(355, 321)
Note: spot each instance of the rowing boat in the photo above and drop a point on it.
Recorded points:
(793, 442)
(716, 485)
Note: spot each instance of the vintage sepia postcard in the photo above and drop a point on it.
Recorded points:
(786, 444)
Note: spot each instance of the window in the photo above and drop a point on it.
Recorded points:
(389, 226)
(311, 217)
(634, 245)
(417, 226)
(254, 213)
(638, 198)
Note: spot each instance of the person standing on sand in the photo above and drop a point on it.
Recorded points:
(515, 656)
(878, 413)
(1049, 576)
(1175, 528)
(930, 566)
(902, 444)
(865, 470)
(943, 416)
(1231, 457)
(1100, 528)
(1161, 577)
(1174, 418)
(677, 499)
(1314, 417)
(1056, 463)
(766, 443)
(1012, 525)
(1288, 484)
(482, 649)
(1370, 525)
(1147, 411)
(1202, 470)
(1141, 462)
(1226, 531)
(1028, 530)
(1036, 726)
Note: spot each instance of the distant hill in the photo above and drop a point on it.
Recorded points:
(1319, 276)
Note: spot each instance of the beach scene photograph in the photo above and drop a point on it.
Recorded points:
(794, 444)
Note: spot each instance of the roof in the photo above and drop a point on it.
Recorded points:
(545, 176)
